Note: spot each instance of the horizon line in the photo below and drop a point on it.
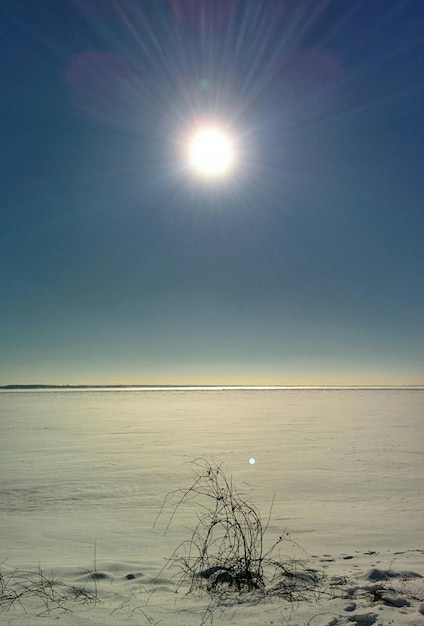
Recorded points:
(35, 386)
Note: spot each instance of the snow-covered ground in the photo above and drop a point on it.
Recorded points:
(83, 475)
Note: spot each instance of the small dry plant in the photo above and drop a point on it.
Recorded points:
(43, 593)
(226, 551)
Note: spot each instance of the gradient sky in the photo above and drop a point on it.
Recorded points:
(118, 265)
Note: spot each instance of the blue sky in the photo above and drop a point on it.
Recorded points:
(304, 266)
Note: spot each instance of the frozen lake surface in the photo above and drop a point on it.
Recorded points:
(83, 474)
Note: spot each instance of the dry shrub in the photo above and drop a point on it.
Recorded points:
(226, 551)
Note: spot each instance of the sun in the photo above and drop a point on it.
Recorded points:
(211, 152)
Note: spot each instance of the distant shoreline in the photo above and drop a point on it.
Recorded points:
(82, 386)
(36, 387)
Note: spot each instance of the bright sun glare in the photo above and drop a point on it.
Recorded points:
(211, 152)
